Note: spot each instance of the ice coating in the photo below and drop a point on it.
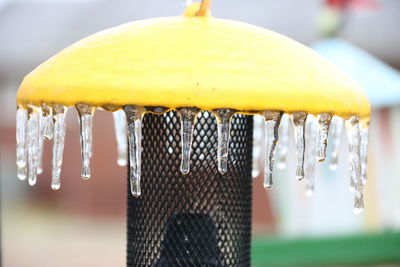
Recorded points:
(364, 135)
(59, 113)
(356, 185)
(272, 121)
(283, 144)
(188, 119)
(22, 150)
(299, 121)
(223, 117)
(121, 136)
(324, 120)
(336, 129)
(258, 124)
(134, 121)
(36, 124)
(33, 143)
(310, 153)
(86, 131)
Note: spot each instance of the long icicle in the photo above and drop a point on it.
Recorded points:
(283, 145)
(299, 121)
(39, 157)
(310, 153)
(33, 143)
(86, 132)
(188, 119)
(324, 120)
(22, 148)
(336, 129)
(353, 135)
(58, 144)
(272, 121)
(121, 136)
(223, 117)
(134, 117)
(364, 135)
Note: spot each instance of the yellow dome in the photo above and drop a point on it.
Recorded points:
(193, 61)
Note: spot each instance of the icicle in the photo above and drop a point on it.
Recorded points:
(40, 144)
(58, 144)
(188, 118)
(336, 135)
(22, 150)
(86, 129)
(258, 124)
(299, 121)
(223, 117)
(272, 121)
(310, 153)
(134, 119)
(364, 134)
(39, 169)
(33, 143)
(353, 135)
(121, 136)
(283, 144)
(324, 120)
(48, 125)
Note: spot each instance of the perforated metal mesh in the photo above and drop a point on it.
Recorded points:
(199, 219)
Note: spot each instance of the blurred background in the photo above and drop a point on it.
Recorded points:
(83, 224)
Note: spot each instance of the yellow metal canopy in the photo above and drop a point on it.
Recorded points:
(193, 60)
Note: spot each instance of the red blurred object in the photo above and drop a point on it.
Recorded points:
(353, 4)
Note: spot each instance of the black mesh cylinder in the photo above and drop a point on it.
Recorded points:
(199, 219)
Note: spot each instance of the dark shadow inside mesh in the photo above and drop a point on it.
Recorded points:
(199, 219)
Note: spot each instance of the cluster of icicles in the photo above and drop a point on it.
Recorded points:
(38, 123)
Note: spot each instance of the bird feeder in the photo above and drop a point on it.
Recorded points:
(184, 91)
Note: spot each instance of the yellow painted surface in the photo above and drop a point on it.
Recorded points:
(193, 61)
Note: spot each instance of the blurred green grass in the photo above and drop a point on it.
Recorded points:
(365, 249)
